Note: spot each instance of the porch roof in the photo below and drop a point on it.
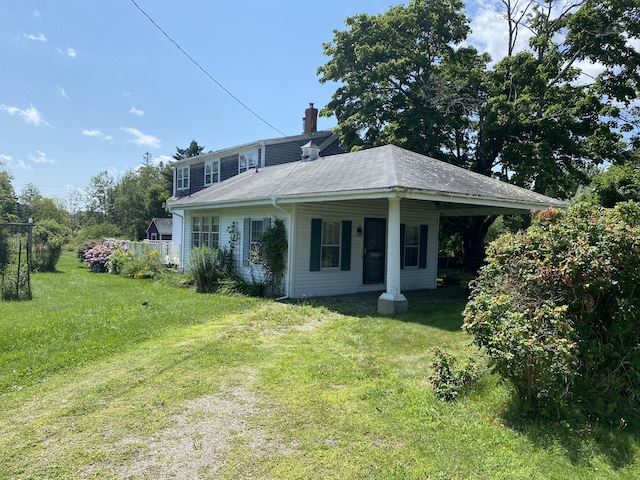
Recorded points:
(373, 173)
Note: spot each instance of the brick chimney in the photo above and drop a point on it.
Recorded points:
(310, 120)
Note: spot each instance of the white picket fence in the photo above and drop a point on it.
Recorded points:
(169, 252)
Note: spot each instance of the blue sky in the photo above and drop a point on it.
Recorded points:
(88, 86)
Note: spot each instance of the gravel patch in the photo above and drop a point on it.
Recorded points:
(198, 443)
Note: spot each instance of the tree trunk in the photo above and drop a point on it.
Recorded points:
(473, 231)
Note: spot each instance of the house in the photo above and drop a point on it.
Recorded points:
(193, 174)
(160, 229)
(356, 222)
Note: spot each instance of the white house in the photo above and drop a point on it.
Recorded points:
(356, 222)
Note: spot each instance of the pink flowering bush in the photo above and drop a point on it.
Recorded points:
(97, 258)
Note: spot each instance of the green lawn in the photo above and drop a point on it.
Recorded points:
(107, 377)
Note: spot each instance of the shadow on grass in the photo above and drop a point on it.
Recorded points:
(583, 438)
(439, 308)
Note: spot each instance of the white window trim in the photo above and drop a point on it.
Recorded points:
(416, 246)
(323, 245)
(215, 171)
(185, 178)
(251, 164)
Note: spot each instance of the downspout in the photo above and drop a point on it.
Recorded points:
(289, 250)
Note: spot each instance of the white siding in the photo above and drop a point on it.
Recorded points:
(227, 218)
(335, 281)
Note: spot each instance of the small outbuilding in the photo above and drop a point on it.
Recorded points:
(160, 229)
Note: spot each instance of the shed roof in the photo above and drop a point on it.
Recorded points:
(373, 173)
(164, 225)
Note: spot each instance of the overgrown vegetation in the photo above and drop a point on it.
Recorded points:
(557, 310)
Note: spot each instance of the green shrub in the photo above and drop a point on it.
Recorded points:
(450, 378)
(84, 247)
(207, 266)
(15, 286)
(557, 309)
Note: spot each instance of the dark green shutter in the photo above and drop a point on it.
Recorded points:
(246, 241)
(422, 258)
(345, 257)
(316, 244)
(402, 235)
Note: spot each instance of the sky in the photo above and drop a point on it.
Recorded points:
(89, 86)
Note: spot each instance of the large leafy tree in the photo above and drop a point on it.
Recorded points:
(139, 196)
(532, 118)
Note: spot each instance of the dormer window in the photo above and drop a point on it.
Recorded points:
(247, 160)
(211, 172)
(182, 178)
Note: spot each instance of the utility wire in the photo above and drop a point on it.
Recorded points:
(204, 71)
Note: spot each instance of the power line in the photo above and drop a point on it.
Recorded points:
(204, 71)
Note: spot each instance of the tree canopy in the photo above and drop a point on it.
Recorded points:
(191, 151)
(533, 118)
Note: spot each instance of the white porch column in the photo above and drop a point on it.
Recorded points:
(392, 301)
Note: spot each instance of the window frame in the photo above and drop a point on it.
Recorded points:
(414, 246)
(214, 174)
(325, 245)
(182, 180)
(250, 159)
(211, 234)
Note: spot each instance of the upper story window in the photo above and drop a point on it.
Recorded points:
(182, 178)
(211, 172)
(247, 160)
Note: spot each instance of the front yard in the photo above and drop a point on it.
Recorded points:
(107, 377)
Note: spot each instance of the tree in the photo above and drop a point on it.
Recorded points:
(99, 199)
(8, 204)
(139, 196)
(193, 150)
(531, 119)
(619, 183)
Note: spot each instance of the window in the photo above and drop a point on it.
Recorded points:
(253, 230)
(330, 245)
(411, 245)
(330, 248)
(182, 178)
(247, 160)
(206, 232)
(211, 172)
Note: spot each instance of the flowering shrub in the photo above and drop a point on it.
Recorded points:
(98, 256)
(557, 309)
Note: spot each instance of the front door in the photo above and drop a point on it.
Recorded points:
(375, 233)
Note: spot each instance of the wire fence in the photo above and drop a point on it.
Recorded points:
(15, 261)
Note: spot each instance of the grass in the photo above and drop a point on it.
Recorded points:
(107, 377)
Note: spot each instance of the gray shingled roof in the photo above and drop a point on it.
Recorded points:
(366, 173)
(164, 225)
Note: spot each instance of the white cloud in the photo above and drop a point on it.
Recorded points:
(36, 38)
(71, 52)
(97, 134)
(143, 139)
(40, 157)
(36, 13)
(10, 163)
(30, 115)
(135, 111)
(62, 92)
